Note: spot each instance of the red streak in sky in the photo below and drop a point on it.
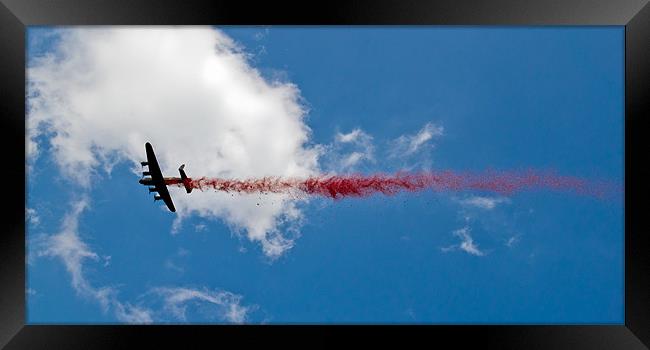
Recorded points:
(341, 186)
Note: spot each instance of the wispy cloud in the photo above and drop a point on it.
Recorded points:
(68, 246)
(74, 253)
(128, 313)
(261, 34)
(173, 263)
(510, 242)
(487, 203)
(183, 252)
(170, 264)
(467, 243)
(229, 307)
(407, 145)
(349, 150)
(355, 136)
(32, 216)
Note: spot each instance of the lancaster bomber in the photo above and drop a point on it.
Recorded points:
(158, 183)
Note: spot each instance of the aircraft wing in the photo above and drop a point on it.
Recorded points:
(156, 176)
(164, 194)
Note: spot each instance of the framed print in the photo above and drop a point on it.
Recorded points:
(199, 171)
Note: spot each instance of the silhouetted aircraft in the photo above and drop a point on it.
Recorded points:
(159, 182)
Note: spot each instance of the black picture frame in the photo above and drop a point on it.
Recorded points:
(15, 15)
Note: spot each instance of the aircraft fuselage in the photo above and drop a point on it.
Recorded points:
(168, 180)
(157, 183)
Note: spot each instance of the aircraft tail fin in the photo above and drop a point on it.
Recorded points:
(186, 180)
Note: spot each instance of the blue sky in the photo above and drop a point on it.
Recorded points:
(505, 98)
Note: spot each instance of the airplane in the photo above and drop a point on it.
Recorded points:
(159, 182)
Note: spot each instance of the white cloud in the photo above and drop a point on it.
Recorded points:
(448, 249)
(31, 149)
(259, 35)
(183, 252)
(32, 216)
(467, 243)
(128, 313)
(350, 150)
(177, 299)
(487, 203)
(73, 252)
(407, 145)
(355, 136)
(68, 246)
(512, 241)
(170, 264)
(191, 92)
(352, 159)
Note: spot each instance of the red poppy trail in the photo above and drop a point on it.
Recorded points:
(356, 185)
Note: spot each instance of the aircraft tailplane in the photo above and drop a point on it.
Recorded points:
(186, 180)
